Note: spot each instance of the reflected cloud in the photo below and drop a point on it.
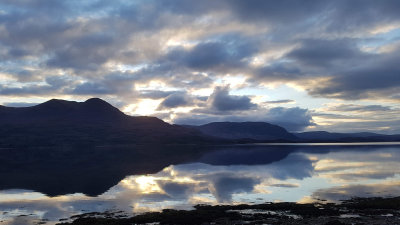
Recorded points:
(362, 175)
(385, 189)
(225, 185)
(285, 185)
(239, 174)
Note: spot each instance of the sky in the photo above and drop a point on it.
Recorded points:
(305, 65)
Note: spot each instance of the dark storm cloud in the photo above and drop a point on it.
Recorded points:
(221, 100)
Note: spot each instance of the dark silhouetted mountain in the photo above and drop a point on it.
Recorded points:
(61, 111)
(327, 136)
(259, 131)
(93, 122)
(96, 122)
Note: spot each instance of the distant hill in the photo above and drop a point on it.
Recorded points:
(324, 135)
(259, 131)
(97, 123)
(93, 122)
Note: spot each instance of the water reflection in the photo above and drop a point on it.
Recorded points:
(140, 179)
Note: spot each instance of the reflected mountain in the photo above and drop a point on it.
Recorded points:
(93, 171)
(44, 183)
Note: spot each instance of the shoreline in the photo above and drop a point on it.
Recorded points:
(374, 210)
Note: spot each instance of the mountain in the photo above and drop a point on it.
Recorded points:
(93, 122)
(61, 111)
(97, 123)
(323, 136)
(327, 136)
(259, 131)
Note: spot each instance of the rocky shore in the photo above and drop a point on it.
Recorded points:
(355, 211)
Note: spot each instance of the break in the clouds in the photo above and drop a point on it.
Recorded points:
(328, 64)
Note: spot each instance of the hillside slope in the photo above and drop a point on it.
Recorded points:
(260, 131)
(93, 122)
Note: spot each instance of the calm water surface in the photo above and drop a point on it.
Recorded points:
(47, 185)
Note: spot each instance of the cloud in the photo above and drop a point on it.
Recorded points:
(86, 52)
(293, 119)
(285, 185)
(282, 12)
(156, 94)
(383, 189)
(175, 100)
(177, 190)
(364, 175)
(276, 71)
(372, 79)
(92, 88)
(52, 85)
(19, 104)
(225, 185)
(328, 53)
(355, 107)
(112, 84)
(283, 101)
(221, 100)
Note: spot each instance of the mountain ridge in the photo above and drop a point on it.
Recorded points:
(93, 122)
(325, 135)
(96, 122)
(260, 131)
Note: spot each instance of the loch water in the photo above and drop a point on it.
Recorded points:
(49, 184)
